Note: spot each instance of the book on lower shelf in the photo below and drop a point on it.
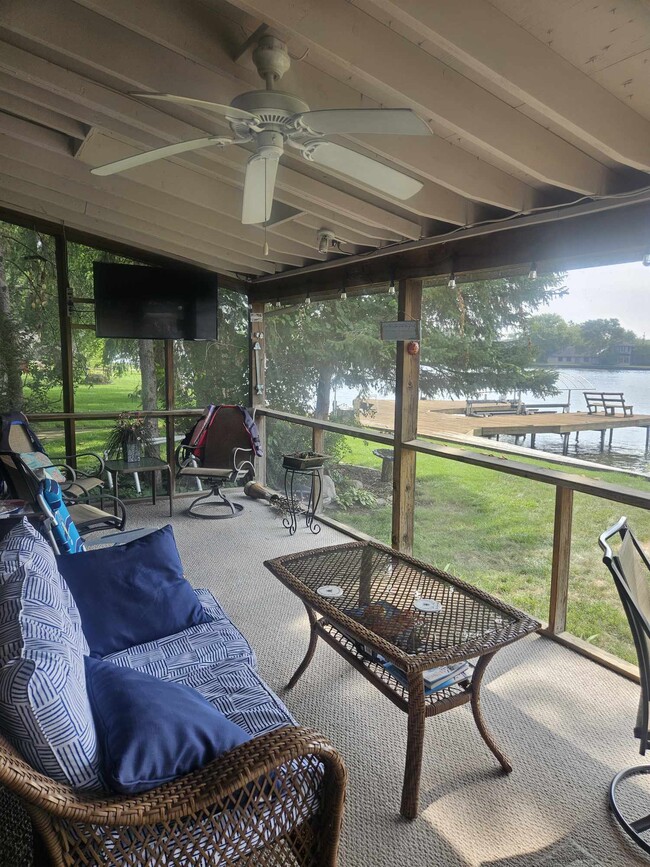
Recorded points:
(435, 679)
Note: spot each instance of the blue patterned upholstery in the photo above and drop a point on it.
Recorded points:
(216, 660)
(203, 645)
(44, 709)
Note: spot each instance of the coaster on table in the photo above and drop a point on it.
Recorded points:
(330, 591)
(431, 606)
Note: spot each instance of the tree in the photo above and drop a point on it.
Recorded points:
(476, 336)
(549, 333)
(317, 347)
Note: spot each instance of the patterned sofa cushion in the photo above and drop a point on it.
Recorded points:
(238, 691)
(44, 709)
(200, 646)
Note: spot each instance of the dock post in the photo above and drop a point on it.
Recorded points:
(602, 440)
(647, 439)
(611, 434)
(565, 444)
(532, 440)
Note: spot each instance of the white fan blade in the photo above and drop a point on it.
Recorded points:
(159, 154)
(389, 121)
(259, 186)
(364, 169)
(227, 110)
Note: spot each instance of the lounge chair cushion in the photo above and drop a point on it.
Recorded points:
(44, 709)
(131, 594)
(151, 732)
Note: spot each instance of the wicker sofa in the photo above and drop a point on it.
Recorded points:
(276, 799)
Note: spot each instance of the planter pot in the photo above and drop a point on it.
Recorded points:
(131, 452)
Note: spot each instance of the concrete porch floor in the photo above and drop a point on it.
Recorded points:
(565, 722)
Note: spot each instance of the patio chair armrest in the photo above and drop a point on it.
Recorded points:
(69, 472)
(284, 789)
(100, 463)
(243, 458)
(183, 455)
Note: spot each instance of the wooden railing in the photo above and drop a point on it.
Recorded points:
(566, 485)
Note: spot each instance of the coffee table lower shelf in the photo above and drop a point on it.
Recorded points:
(412, 700)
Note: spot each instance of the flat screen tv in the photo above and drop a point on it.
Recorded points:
(139, 301)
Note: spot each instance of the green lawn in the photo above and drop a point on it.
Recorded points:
(496, 531)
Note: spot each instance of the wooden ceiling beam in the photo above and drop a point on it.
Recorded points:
(195, 31)
(576, 237)
(28, 167)
(492, 45)
(361, 44)
(126, 59)
(89, 239)
(231, 260)
(71, 217)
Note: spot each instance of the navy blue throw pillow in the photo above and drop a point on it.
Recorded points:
(151, 731)
(131, 593)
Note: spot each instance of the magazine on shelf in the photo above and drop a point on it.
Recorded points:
(435, 679)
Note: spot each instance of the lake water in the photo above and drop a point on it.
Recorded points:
(628, 444)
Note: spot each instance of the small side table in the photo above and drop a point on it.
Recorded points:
(144, 465)
(315, 489)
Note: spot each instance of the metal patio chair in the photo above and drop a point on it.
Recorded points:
(24, 464)
(630, 569)
(226, 454)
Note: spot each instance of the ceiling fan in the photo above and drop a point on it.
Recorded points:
(270, 119)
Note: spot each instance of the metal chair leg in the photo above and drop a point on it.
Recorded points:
(638, 826)
(206, 502)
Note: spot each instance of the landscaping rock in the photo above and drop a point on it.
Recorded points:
(329, 490)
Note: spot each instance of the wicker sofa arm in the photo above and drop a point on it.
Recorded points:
(281, 792)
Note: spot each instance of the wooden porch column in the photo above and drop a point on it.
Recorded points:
(170, 399)
(406, 421)
(65, 327)
(561, 560)
(257, 377)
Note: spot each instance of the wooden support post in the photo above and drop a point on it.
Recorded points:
(406, 422)
(318, 440)
(65, 327)
(170, 397)
(561, 560)
(257, 377)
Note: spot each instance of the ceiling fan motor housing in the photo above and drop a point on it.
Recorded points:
(271, 58)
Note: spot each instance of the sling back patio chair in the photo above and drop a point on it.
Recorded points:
(223, 451)
(630, 569)
(24, 464)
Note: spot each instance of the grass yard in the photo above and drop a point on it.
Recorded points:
(496, 531)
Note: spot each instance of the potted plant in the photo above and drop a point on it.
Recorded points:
(131, 436)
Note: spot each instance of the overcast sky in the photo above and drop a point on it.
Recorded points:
(613, 292)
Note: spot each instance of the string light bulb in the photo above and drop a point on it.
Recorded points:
(391, 288)
(278, 303)
(307, 300)
(451, 283)
(532, 274)
(646, 260)
(343, 295)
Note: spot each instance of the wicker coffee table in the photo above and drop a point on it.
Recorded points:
(374, 620)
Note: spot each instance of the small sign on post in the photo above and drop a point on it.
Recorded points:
(409, 330)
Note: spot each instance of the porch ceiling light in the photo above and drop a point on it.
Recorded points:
(343, 295)
(532, 274)
(451, 284)
(391, 288)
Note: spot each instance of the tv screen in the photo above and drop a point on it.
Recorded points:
(143, 302)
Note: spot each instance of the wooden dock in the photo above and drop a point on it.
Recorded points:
(437, 417)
